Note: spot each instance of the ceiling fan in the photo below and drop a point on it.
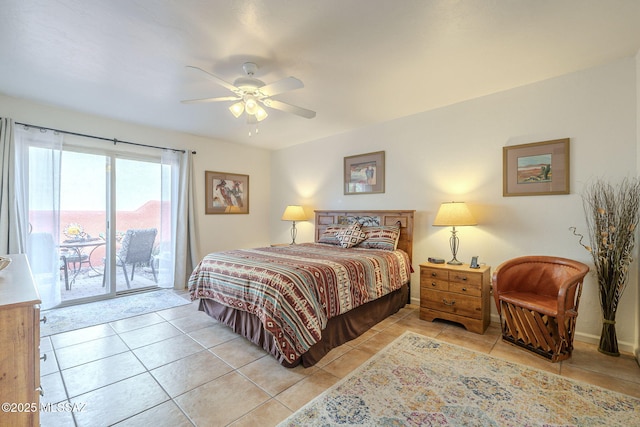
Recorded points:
(250, 92)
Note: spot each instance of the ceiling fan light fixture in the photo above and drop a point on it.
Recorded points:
(237, 109)
(249, 92)
(251, 105)
(261, 114)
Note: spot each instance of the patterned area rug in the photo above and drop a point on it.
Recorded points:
(80, 316)
(418, 381)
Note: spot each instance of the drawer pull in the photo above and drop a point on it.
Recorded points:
(433, 284)
(44, 319)
(463, 278)
(434, 274)
(44, 357)
(464, 289)
(447, 302)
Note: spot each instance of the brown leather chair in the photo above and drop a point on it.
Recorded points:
(537, 299)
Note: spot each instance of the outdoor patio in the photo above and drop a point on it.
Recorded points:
(88, 282)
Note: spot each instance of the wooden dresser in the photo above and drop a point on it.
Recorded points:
(19, 345)
(456, 293)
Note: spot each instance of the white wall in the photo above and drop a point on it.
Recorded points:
(637, 343)
(455, 153)
(215, 232)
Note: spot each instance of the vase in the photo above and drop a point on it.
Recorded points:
(608, 339)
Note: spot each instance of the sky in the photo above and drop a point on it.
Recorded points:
(83, 181)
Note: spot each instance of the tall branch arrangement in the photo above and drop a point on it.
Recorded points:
(612, 217)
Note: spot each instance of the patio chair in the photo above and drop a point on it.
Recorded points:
(136, 248)
(75, 259)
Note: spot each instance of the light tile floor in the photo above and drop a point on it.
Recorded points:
(178, 367)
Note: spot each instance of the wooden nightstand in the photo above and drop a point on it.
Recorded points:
(457, 293)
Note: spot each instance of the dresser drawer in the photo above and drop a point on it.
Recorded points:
(463, 277)
(463, 305)
(471, 289)
(427, 273)
(440, 285)
(433, 285)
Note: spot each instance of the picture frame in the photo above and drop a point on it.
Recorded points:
(226, 193)
(364, 173)
(536, 169)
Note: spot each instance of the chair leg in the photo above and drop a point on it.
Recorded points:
(126, 278)
(153, 270)
(133, 269)
(66, 278)
(65, 269)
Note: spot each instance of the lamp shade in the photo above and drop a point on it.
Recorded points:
(237, 109)
(454, 214)
(250, 105)
(294, 213)
(261, 114)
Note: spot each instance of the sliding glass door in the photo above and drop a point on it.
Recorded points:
(138, 223)
(83, 221)
(114, 225)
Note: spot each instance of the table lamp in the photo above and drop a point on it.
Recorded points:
(294, 213)
(452, 214)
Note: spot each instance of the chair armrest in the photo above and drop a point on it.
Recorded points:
(569, 287)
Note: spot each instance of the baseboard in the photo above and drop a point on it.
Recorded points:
(623, 346)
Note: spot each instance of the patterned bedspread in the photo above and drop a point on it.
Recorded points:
(295, 289)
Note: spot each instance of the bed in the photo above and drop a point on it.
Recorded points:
(299, 301)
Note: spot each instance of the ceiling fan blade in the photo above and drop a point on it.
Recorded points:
(217, 79)
(223, 98)
(284, 85)
(283, 106)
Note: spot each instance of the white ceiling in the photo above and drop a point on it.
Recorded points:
(362, 61)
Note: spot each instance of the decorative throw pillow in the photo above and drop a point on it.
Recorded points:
(351, 236)
(383, 237)
(329, 237)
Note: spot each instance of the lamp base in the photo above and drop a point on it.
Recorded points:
(294, 233)
(454, 243)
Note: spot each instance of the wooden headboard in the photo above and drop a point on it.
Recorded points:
(327, 218)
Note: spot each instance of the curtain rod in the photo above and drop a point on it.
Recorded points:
(114, 140)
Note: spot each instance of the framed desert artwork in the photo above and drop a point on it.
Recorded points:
(364, 173)
(536, 169)
(226, 193)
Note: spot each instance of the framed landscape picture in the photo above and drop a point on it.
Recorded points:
(536, 169)
(364, 173)
(226, 193)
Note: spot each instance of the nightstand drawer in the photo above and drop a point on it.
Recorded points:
(462, 305)
(465, 278)
(440, 285)
(472, 289)
(433, 273)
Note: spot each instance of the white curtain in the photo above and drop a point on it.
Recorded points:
(37, 173)
(177, 256)
(12, 232)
